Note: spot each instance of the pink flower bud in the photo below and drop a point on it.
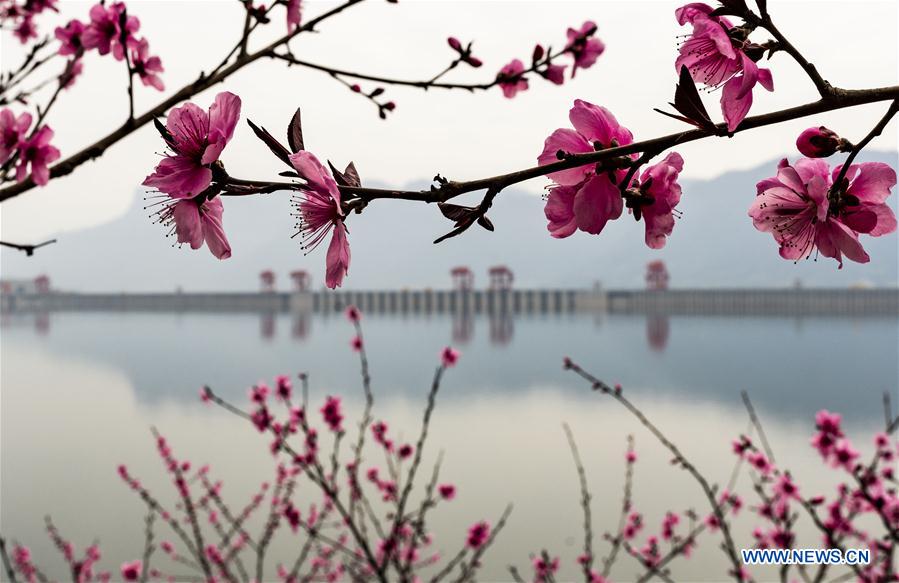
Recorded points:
(819, 142)
(131, 571)
(449, 357)
(454, 43)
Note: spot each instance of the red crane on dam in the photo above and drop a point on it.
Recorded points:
(656, 276)
(267, 281)
(463, 278)
(300, 280)
(501, 278)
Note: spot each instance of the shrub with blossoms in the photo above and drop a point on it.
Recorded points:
(364, 526)
(364, 523)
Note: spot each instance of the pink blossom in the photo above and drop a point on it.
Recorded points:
(22, 558)
(38, 6)
(261, 418)
(633, 525)
(294, 14)
(478, 535)
(595, 128)
(803, 210)
(584, 47)
(259, 393)
(660, 188)
(131, 571)
(543, 568)
(511, 78)
(205, 395)
(356, 343)
(320, 212)
(554, 74)
(214, 555)
(630, 456)
(844, 455)
(818, 142)
(147, 67)
(283, 387)
(786, 488)
(196, 221)
(12, 131)
(37, 152)
(197, 140)
(332, 415)
(25, 30)
(405, 451)
(668, 525)
(759, 462)
(353, 314)
(449, 357)
(69, 37)
(588, 206)
(292, 514)
(716, 55)
(828, 422)
(104, 32)
(447, 491)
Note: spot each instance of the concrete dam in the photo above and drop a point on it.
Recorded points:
(723, 302)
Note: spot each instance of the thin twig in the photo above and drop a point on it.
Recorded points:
(585, 504)
(730, 547)
(7, 564)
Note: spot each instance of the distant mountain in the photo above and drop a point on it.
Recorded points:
(714, 245)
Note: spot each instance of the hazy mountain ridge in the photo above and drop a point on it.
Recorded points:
(714, 244)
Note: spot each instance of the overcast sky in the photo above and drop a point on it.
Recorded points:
(459, 135)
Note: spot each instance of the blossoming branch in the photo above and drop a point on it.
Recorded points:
(597, 168)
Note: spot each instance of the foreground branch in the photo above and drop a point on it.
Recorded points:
(203, 82)
(28, 249)
(451, 189)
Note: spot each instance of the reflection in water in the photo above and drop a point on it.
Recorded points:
(463, 327)
(267, 325)
(42, 323)
(300, 324)
(658, 328)
(101, 380)
(502, 327)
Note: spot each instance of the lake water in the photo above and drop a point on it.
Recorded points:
(80, 393)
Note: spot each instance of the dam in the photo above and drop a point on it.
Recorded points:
(725, 302)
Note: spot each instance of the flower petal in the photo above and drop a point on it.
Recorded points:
(308, 167)
(188, 227)
(873, 182)
(595, 203)
(338, 260)
(734, 107)
(559, 211)
(224, 114)
(179, 177)
(213, 232)
(570, 142)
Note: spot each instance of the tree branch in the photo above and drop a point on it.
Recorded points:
(28, 249)
(203, 82)
(876, 131)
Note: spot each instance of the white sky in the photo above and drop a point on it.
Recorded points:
(459, 135)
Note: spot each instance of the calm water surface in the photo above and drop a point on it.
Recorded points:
(80, 392)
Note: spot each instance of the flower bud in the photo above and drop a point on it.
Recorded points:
(454, 43)
(819, 142)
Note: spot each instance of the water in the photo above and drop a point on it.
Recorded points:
(81, 391)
